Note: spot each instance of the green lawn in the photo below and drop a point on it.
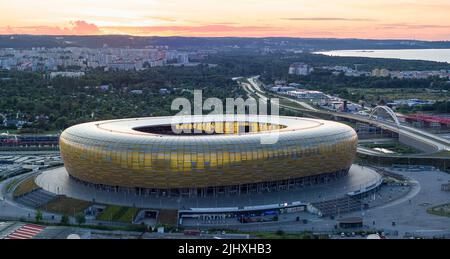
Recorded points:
(118, 213)
(373, 95)
(129, 215)
(25, 187)
(440, 210)
(66, 206)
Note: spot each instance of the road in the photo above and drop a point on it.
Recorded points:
(14, 211)
(260, 93)
(409, 212)
(435, 142)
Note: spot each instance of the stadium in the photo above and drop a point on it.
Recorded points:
(211, 156)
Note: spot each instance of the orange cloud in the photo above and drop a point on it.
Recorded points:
(366, 31)
(328, 19)
(78, 28)
(84, 28)
(202, 30)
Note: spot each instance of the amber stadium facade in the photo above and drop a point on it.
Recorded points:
(230, 154)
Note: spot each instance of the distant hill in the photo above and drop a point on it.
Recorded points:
(308, 44)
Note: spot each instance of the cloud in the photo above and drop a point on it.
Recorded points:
(225, 23)
(413, 26)
(77, 28)
(327, 19)
(375, 31)
(202, 30)
(84, 28)
(161, 18)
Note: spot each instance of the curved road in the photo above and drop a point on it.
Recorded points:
(438, 143)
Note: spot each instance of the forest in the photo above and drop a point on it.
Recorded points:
(54, 104)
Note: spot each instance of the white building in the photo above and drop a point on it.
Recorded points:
(380, 72)
(282, 89)
(66, 74)
(301, 69)
(306, 94)
(183, 58)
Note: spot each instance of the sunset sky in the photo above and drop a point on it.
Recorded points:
(379, 19)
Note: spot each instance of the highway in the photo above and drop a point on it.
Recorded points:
(436, 143)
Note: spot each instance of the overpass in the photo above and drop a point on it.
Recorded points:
(430, 144)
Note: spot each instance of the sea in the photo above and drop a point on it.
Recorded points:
(438, 55)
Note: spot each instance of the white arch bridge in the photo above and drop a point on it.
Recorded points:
(386, 109)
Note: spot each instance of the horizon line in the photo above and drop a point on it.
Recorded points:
(217, 37)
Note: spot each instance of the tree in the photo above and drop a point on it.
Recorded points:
(61, 122)
(80, 218)
(38, 217)
(64, 220)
